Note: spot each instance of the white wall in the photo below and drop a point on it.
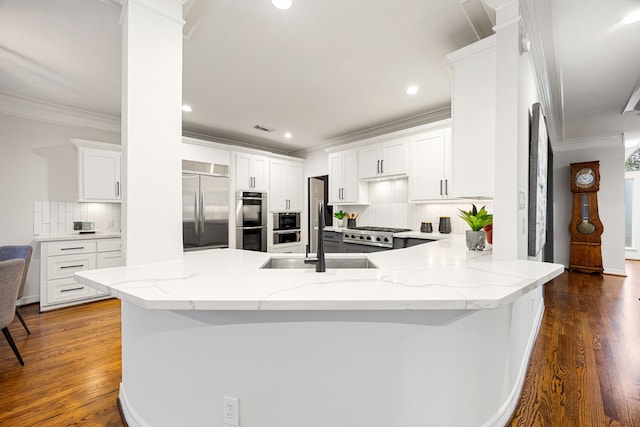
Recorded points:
(37, 162)
(610, 199)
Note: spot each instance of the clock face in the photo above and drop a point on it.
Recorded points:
(585, 178)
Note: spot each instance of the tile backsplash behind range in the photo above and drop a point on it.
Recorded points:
(51, 218)
(388, 207)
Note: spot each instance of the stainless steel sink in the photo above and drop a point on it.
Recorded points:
(330, 262)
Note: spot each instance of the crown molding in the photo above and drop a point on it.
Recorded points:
(602, 141)
(398, 125)
(537, 24)
(43, 111)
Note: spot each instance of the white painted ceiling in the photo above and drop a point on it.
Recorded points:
(322, 70)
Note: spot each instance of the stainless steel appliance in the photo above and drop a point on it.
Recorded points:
(205, 206)
(286, 221)
(369, 239)
(251, 221)
(285, 236)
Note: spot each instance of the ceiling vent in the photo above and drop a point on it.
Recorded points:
(634, 101)
(263, 128)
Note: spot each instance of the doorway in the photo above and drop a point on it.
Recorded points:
(318, 190)
(632, 214)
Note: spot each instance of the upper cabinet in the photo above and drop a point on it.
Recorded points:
(344, 185)
(285, 182)
(98, 172)
(383, 160)
(251, 172)
(473, 107)
(430, 166)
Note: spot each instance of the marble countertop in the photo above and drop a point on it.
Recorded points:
(77, 236)
(440, 275)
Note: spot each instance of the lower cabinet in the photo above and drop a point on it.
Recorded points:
(332, 242)
(60, 259)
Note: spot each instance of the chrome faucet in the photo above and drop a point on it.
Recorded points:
(319, 259)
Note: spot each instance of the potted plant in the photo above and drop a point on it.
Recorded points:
(477, 220)
(339, 215)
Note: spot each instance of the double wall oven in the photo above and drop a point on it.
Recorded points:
(286, 227)
(251, 221)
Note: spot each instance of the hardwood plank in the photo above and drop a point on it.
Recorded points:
(596, 380)
(72, 368)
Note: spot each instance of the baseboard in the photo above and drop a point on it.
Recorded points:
(128, 415)
(28, 300)
(504, 414)
(615, 272)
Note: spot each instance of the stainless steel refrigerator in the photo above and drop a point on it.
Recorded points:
(205, 211)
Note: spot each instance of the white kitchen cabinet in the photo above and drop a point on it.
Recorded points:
(99, 175)
(344, 185)
(473, 107)
(285, 186)
(61, 259)
(430, 166)
(384, 159)
(251, 172)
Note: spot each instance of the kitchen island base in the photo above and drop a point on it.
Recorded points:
(371, 368)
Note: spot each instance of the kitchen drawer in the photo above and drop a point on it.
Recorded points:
(72, 247)
(109, 259)
(108, 245)
(59, 267)
(62, 290)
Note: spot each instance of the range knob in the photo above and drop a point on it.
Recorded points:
(368, 237)
(377, 239)
(386, 239)
(361, 237)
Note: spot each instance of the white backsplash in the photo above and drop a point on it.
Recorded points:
(388, 207)
(52, 218)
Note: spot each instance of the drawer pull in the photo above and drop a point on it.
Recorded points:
(72, 249)
(72, 289)
(72, 266)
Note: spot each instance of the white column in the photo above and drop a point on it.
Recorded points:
(508, 220)
(152, 130)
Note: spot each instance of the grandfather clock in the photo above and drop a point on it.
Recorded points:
(585, 226)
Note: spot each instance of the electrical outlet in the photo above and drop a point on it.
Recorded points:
(230, 411)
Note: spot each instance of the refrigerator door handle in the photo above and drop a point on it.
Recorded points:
(202, 213)
(195, 211)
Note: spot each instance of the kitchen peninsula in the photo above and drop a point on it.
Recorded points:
(435, 335)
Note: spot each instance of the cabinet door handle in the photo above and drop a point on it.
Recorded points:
(72, 289)
(378, 167)
(117, 188)
(446, 187)
(77, 248)
(381, 166)
(71, 266)
(441, 187)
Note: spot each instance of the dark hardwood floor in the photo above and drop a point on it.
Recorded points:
(585, 367)
(584, 371)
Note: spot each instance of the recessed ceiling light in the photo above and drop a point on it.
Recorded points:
(282, 4)
(288, 135)
(632, 18)
(187, 108)
(412, 90)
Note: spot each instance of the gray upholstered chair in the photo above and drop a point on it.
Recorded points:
(24, 252)
(10, 276)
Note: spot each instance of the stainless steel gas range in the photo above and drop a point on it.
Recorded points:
(369, 239)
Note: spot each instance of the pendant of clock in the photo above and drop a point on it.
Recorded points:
(585, 226)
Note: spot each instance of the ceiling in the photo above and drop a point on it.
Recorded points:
(326, 71)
